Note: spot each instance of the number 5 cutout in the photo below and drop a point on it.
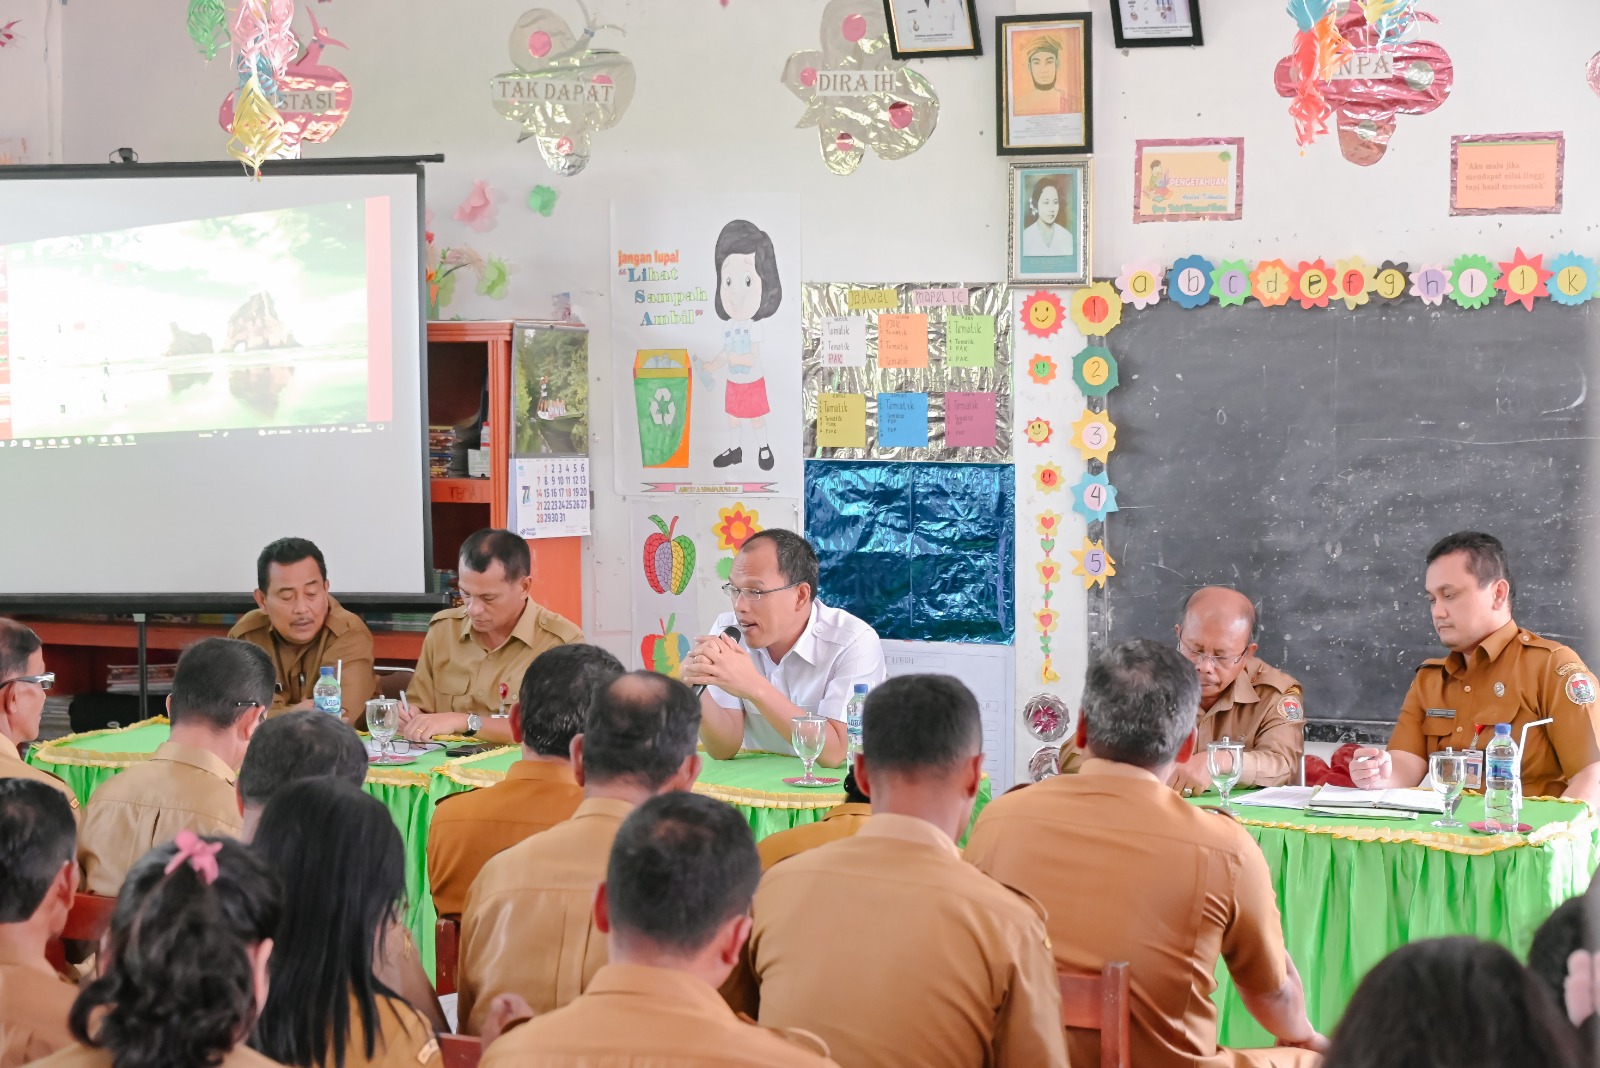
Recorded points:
(1094, 564)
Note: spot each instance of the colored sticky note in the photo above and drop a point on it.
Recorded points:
(842, 421)
(969, 341)
(969, 420)
(872, 299)
(903, 420)
(902, 341)
(844, 341)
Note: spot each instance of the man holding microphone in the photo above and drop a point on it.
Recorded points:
(796, 657)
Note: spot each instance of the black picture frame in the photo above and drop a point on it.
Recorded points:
(1192, 40)
(900, 52)
(1012, 143)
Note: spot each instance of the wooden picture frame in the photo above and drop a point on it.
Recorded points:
(1156, 23)
(1044, 248)
(1044, 84)
(947, 34)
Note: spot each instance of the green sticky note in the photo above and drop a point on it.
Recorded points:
(969, 341)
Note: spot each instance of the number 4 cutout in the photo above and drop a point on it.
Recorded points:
(1094, 564)
(1093, 497)
(1094, 435)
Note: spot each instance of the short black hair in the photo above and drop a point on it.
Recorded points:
(1486, 557)
(1141, 699)
(640, 726)
(744, 238)
(852, 789)
(38, 834)
(481, 550)
(920, 723)
(18, 643)
(300, 745)
(797, 561)
(681, 866)
(218, 678)
(557, 690)
(1562, 932)
(286, 551)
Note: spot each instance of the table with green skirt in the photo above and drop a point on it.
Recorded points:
(751, 782)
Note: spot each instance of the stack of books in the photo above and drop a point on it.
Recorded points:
(441, 450)
(124, 678)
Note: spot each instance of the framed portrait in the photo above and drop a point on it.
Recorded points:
(923, 29)
(1045, 88)
(1196, 178)
(1047, 239)
(1155, 23)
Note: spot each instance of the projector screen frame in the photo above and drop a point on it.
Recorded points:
(71, 604)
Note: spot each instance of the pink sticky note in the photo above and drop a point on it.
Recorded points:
(969, 420)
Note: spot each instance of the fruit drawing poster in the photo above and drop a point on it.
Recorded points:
(705, 337)
(680, 555)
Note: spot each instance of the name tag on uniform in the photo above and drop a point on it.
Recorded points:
(1441, 713)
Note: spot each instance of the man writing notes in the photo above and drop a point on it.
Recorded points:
(797, 656)
(298, 623)
(473, 657)
(1495, 672)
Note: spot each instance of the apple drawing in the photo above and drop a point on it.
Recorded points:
(668, 561)
(664, 652)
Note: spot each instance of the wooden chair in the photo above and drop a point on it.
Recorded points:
(87, 920)
(446, 952)
(1101, 1003)
(460, 1051)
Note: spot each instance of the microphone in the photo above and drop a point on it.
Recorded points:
(734, 634)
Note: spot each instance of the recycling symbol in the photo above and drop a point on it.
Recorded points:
(663, 410)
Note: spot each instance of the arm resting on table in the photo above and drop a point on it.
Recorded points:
(721, 729)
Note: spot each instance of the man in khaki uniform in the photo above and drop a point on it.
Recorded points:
(538, 792)
(1129, 871)
(473, 657)
(1241, 697)
(37, 881)
(23, 684)
(841, 821)
(220, 693)
(675, 904)
(527, 928)
(885, 943)
(303, 629)
(1495, 672)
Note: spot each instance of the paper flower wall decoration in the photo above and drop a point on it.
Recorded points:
(1042, 369)
(1390, 281)
(542, 200)
(1096, 309)
(1140, 283)
(1230, 283)
(1095, 371)
(479, 208)
(562, 90)
(1354, 281)
(1042, 313)
(1522, 279)
(735, 526)
(1189, 283)
(1048, 525)
(1474, 277)
(1094, 564)
(856, 93)
(1047, 478)
(1094, 436)
(1269, 283)
(1431, 283)
(1311, 284)
(1038, 431)
(1574, 279)
(1093, 497)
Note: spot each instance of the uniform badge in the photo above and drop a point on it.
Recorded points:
(1293, 711)
(1566, 669)
(1499, 689)
(1440, 713)
(1580, 688)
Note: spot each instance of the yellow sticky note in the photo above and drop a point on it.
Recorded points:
(902, 341)
(842, 421)
(872, 299)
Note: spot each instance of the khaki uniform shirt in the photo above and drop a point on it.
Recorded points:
(34, 1002)
(469, 828)
(1129, 871)
(528, 927)
(1263, 709)
(455, 673)
(841, 822)
(343, 637)
(405, 1040)
(12, 766)
(1514, 677)
(637, 1017)
(76, 1056)
(180, 787)
(924, 961)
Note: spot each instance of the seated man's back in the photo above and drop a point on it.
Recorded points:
(37, 880)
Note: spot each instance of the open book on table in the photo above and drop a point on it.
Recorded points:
(1328, 798)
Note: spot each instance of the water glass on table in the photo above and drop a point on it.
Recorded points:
(383, 721)
(808, 735)
(1448, 768)
(1225, 762)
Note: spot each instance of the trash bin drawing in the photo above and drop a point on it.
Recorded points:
(662, 392)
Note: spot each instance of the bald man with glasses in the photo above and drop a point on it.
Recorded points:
(1241, 697)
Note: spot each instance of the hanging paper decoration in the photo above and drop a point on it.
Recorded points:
(1140, 283)
(856, 93)
(1473, 277)
(1042, 314)
(1094, 436)
(1312, 284)
(1094, 496)
(264, 45)
(1592, 73)
(1523, 278)
(479, 209)
(1353, 281)
(1390, 281)
(313, 98)
(1358, 72)
(257, 128)
(1189, 284)
(1269, 283)
(542, 200)
(562, 90)
(1574, 279)
(1390, 18)
(1096, 309)
(1230, 283)
(1046, 717)
(1047, 525)
(1431, 283)
(1095, 371)
(1042, 369)
(1038, 431)
(1047, 478)
(208, 26)
(1094, 564)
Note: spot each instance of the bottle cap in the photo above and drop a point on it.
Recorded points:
(1502, 729)
(327, 671)
(861, 687)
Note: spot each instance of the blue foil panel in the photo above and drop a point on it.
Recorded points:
(922, 551)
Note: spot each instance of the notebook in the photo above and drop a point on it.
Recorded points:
(1405, 800)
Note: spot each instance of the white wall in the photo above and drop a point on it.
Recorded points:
(711, 115)
(30, 80)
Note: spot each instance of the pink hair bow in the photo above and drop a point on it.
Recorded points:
(198, 854)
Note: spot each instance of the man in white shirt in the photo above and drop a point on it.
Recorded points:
(798, 657)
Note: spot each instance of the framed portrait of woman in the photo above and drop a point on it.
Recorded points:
(1045, 87)
(1048, 236)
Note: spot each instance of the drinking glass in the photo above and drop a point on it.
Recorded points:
(383, 720)
(1449, 770)
(1225, 761)
(809, 734)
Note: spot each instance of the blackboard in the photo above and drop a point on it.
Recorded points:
(1310, 458)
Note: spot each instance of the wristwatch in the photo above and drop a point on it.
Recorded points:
(474, 722)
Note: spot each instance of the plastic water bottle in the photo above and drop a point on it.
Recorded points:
(325, 694)
(1501, 772)
(853, 710)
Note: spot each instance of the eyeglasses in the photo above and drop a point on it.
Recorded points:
(44, 682)
(734, 592)
(1199, 659)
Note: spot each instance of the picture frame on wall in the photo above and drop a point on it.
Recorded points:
(929, 29)
(1047, 233)
(1044, 90)
(1156, 23)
